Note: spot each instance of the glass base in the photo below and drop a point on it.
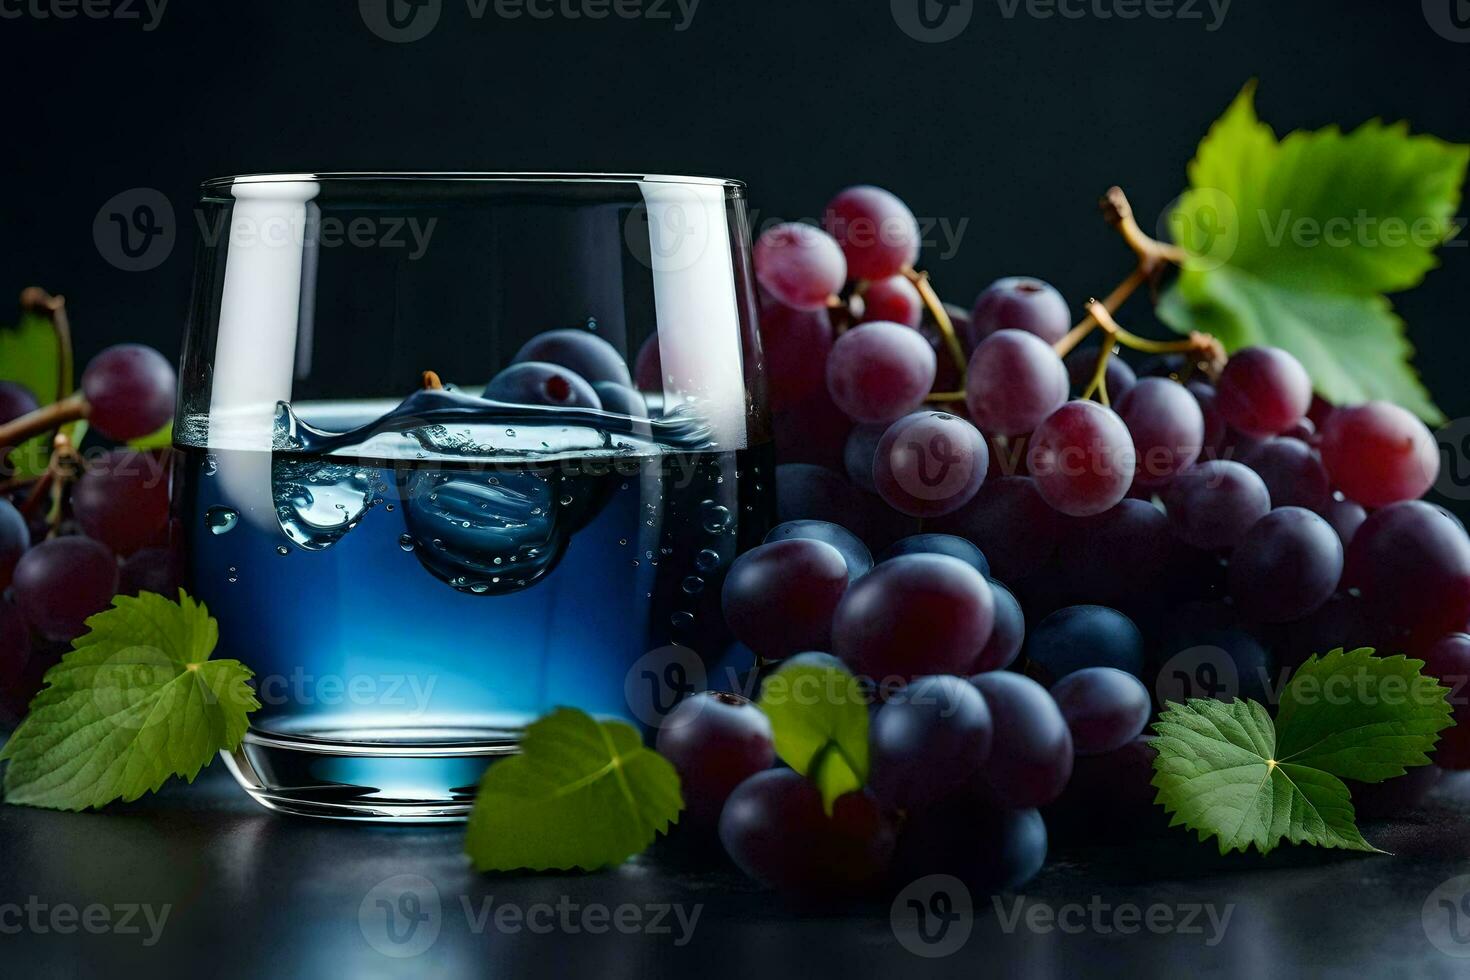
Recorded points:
(414, 776)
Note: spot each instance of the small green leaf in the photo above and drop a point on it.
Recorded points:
(1293, 243)
(1227, 771)
(136, 701)
(30, 355)
(819, 719)
(1217, 774)
(581, 794)
(1361, 717)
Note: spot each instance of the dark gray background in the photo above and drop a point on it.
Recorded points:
(1015, 126)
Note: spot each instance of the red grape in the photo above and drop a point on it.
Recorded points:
(1031, 753)
(1082, 458)
(775, 829)
(929, 739)
(15, 400)
(1293, 472)
(1264, 391)
(715, 741)
(1015, 381)
(1212, 505)
(1378, 453)
(779, 598)
(1167, 426)
(894, 299)
(149, 570)
(1411, 562)
(1287, 565)
(930, 463)
(878, 233)
(1346, 517)
(130, 389)
(879, 372)
(1006, 637)
(1120, 554)
(1448, 660)
(60, 582)
(794, 348)
(799, 265)
(914, 615)
(1019, 303)
(1011, 523)
(122, 500)
(1105, 708)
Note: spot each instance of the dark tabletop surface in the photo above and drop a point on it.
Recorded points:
(250, 893)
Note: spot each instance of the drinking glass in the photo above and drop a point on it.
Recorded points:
(414, 569)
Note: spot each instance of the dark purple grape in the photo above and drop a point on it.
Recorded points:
(122, 500)
(1378, 453)
(1338, 622)
(15, 646)
(1008, 634)
(1010, 522)
(795, 345)
(1305, 430)
(15, 400)
(1211, 505)
(149, 570)
(540, 383)
(988, 849)
(1019, 303)
(856, 554)
(940, 544)
(1031, 752)
(1082, 365)
(914, 615)
(1167, 425)
(1263, 391)
(811, 431)
(1292, 471)
(878, 233)
(1411, 562)
(858, 453)
(621, 399)
(1285, 566)
(1082, 459)
(1110, 797)
(1084, 636)
(1222, 664)
(801, 266)
(15, 538)
(1214, 432)
(880, 372)
(1448, 661)
(1105, 708)
(929, 464)
(775, 829)
(779, 598)
(930, 738)
(1015, 381)
(60, 582)
(895, 300)
(1120, 554)
(1346, 517)
(805, 492)
(716, 741)
(584, 354)
(130, 389)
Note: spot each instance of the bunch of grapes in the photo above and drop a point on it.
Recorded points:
(1065, 541)
(93, 524)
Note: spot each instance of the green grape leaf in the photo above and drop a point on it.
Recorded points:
(31, 356)
(819, 720)
(135, 701)
(1294, 242)
(581, 794)
(1226, 771)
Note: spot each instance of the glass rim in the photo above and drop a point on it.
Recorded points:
(469, 176)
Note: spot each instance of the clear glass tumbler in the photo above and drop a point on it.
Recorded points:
(415, 567)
